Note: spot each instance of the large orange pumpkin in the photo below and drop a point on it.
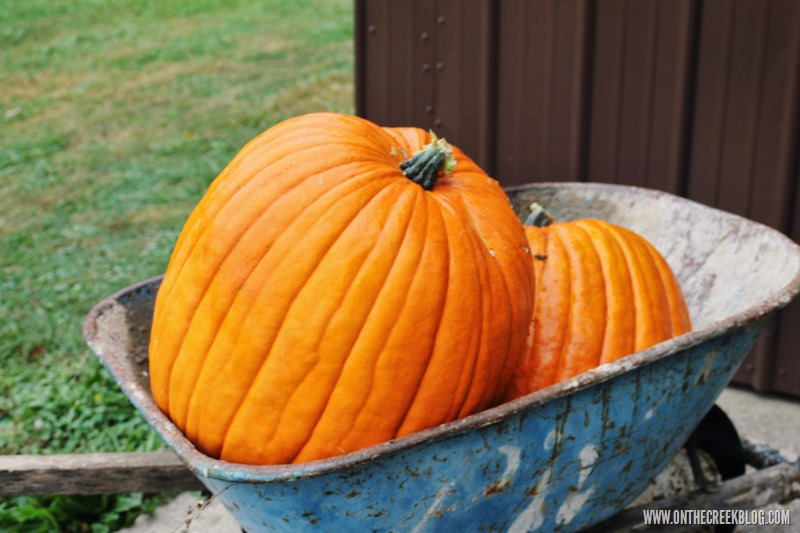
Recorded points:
(602, 292)
(321, 298)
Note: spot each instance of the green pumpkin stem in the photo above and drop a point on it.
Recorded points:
(423, 167)
(538, 216)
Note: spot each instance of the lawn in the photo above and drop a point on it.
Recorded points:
(116, 115)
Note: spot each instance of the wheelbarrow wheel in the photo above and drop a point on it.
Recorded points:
(717, 437)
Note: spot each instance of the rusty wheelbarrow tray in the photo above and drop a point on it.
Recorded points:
(562, 458)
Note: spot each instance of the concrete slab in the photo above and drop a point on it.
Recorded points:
(188, 513)
(764, 419)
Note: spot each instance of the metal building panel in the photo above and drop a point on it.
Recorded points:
(775, 143)
(743, 83)
(709, 101)
(542, 58)
(641, 72)
(394, 45)
(673, 76)
(430, 65)
(785, 374)
(745, 108)
(464, 76)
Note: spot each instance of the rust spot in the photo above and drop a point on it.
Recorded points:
(414, 473)
(311, 518)
(498, 487)
(533, 491)
(352, 494)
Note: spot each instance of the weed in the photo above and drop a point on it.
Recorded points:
(95, 514)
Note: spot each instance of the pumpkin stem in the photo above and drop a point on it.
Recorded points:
(538, 216)
(423, 167)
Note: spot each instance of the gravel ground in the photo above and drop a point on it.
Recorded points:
(760, 419)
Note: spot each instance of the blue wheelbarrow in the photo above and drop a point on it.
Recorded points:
(560, 459)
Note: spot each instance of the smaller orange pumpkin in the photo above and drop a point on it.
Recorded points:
(602, 292)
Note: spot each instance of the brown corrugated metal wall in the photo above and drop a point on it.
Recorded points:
(700, 98)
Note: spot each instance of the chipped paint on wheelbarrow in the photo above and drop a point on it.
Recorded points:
(562, 458)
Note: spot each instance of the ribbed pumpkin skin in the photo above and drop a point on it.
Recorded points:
(602, 292)
(318, 301)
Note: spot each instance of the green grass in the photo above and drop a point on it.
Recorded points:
(114, 118)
